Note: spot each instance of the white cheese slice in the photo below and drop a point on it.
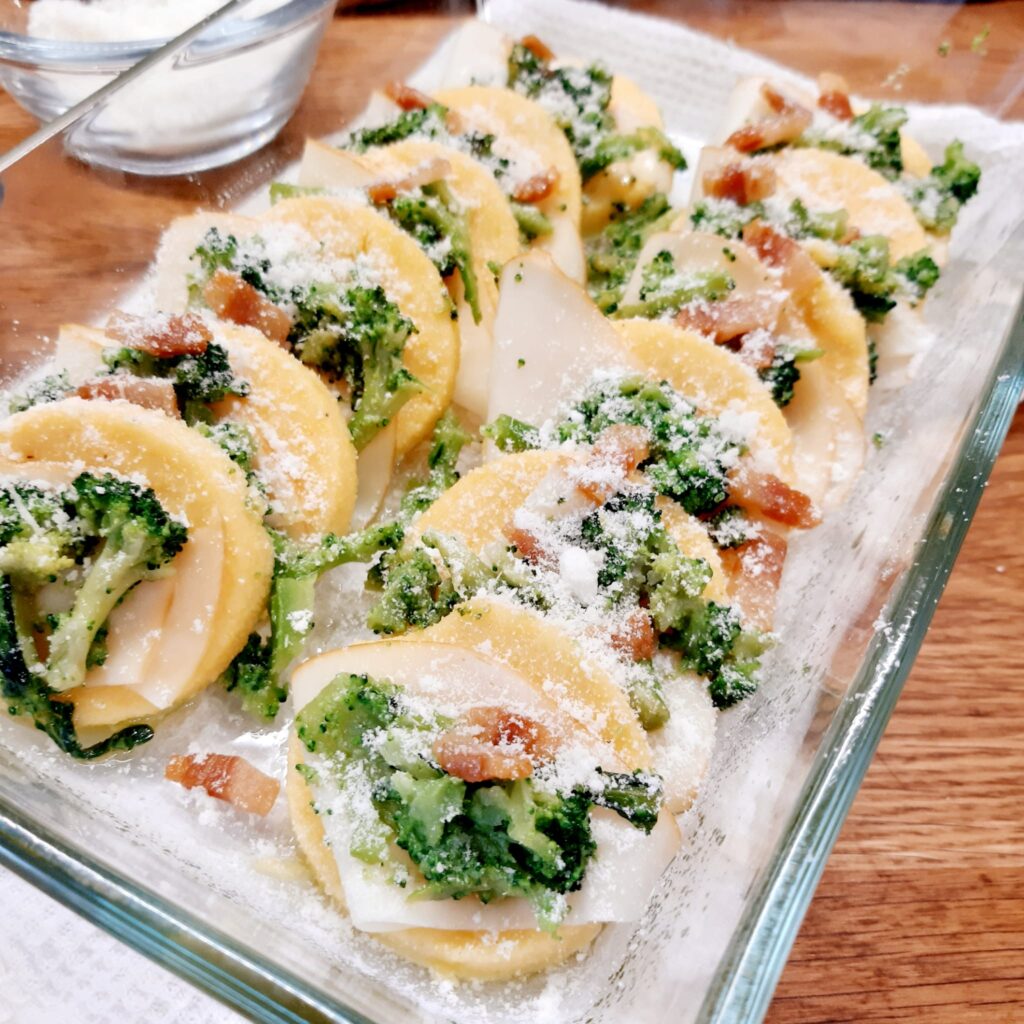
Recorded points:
(549, 341)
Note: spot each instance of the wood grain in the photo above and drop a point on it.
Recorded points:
(920, 914)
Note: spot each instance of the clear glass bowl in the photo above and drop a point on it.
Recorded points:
(219, 903)
(228, 93)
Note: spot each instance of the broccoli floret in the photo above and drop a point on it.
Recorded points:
(250, 674)
(138, 538)
(102, 536)
(26, 693)
(425, 122)
(415, 593)
(357, 335)
(612, 255)
(917, 275)
(663, 290)
(222, 252)
(447, 442)
(578, 99)
(783, 374)
(433, 217)
(864, 268)
(725, 217)
(511, 435)
(51, 388)
(199, 381)
(828, 225)
(689, 456)
(646, 696)
(729, 527)
(635, 797)
(873, 136)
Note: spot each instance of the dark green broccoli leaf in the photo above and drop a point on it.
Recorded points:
(612, 255)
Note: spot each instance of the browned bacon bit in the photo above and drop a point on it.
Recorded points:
(771, 497)
(730, 318)
(236, 300)
(407, 97)
(799, 272)
(790, 122)
(528, 545)
(381, 193)
(492, 743)
(635, 637)
(537, 187)
(755, 569)
(755, 348)
(160, 336)
(742, 183)
(538, 47)
(146, 392)
(226, 777)
(834, 95)
(618, 450)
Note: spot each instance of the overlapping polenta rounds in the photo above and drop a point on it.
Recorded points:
(458, 937)
(303, 458)
(528, 137)
(493, 234)
(172, 636)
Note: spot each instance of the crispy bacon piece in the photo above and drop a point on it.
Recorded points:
(755, 569)
(742, 183)
(226, 777)
(790, 121)
(538, 47)
(236, 300)
(772, 498)
(732, 317)
(160, 336)
(528, 545)
(618, 450)
(635, 637)
(537, 187)
(428, 171)
(493, 743)
(146, 392)
(407, 97)
(799, 272)
(834, 95)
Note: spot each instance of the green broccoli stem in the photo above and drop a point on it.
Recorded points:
(113, 573)
(384, 393)
(291, 619)
(27, 694)
(296, 561)
(707, 286)
(532, 222)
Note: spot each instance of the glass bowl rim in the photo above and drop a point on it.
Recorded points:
(225, 38)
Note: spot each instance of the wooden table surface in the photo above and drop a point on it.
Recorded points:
(920, 913)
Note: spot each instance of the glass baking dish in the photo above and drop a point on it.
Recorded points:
(223, 903)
